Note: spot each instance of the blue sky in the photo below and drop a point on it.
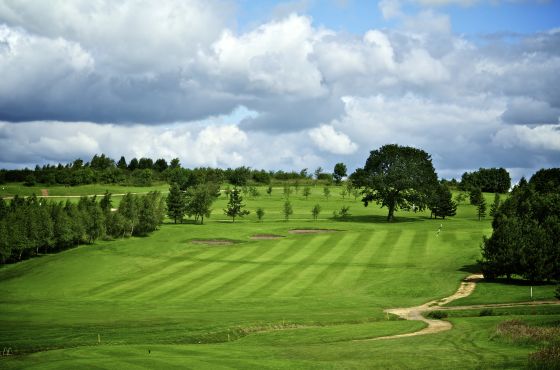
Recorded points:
(281, 84)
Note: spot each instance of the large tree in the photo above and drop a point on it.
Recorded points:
(339, 172)
(200, 199)
(441, 203)
(396, 177)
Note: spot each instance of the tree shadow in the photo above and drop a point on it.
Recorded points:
(378, 219)
(517, 282)
(473, 268)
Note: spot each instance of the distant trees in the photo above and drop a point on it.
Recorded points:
(31, 225)
(396, 177)
(339, 172)
(526, 232)
(489, 180)
(235, 206)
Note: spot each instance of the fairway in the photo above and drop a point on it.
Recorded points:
(299, 301)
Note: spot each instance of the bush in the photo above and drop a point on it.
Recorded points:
(486, 312)
(438, 315)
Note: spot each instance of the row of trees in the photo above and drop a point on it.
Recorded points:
(141, 172)
(30, 226)
(489, 180)
(526, 231)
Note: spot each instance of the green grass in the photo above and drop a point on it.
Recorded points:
(299, 301)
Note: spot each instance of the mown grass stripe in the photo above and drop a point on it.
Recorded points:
(417, 248)
(342, 246)
(156, 279)
(353, 267)
(276, 252)
(308, 254)
(376, 245)
(228, 273)
(204, 269)
(102, 288)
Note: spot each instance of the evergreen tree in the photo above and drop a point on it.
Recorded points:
(494, 207)
(122, 163)
(176, 203)
(441, 203)
(235, 205)
(481, 208)
(475, 196)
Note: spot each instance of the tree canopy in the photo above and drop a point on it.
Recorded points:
(395, 177)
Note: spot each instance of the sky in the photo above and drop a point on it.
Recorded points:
(281, 84)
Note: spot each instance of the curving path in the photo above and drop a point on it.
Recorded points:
(435, 326)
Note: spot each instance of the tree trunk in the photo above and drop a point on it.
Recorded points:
(391, 212)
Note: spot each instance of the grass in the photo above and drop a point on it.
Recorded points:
(295, 302)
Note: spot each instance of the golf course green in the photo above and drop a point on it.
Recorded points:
(264, 294)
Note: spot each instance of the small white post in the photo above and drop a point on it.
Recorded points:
(98, 338)
(531, 292)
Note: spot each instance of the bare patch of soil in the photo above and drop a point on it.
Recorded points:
(44, 192)
(212, 241)
(311, 231)
(266, 237)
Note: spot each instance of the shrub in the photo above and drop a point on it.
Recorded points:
(438, 315)
(486, 312)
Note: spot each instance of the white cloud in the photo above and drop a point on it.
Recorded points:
(543, 137)
(326, 138)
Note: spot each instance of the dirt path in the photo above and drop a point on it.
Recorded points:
(435, 326)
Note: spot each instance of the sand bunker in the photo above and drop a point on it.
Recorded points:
(266, 236)
(311, 231)
(212, 241)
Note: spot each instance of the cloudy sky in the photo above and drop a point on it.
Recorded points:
(281, 84)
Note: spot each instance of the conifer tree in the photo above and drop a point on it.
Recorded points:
(176, 203)
(235, 205)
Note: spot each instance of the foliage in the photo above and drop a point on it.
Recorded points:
(438, 315)
(343, 213)
(441, 203)
(495, 205)
(526, 236)
(486, 312)
(315, 211)
(481, 208)
(327, 192)
(306, 192)
(396, 177)
(475, 196)
(260, 213)
(287, 210)
(339, 172)
(176, 203)
(31, 225)
(235, 205)
(200, 199)
(489, 180)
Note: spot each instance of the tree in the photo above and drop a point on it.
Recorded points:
(481, 208)
(327, 192)
(128, 208)
(176, 203)
(200, 199)
(287, 190)
(306, 192)
(288, 210)
(175, 163)
(315, 211)
(160, 165)
(494, 207)
(133, 164)
(122, 163)
(475, 196)
(339, 172)
(441, 203)
(235, 205)
(260, 213)
(269, 190)
(318, 172)
(396, 177)
(106, 203)
(151, 211)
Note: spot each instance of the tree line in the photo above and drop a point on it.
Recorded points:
(525, 240)
(30, 226)
(144, 171)
(488, 180)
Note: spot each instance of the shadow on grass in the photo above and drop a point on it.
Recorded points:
(517, 282)
(473, 268)
(377, 219)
